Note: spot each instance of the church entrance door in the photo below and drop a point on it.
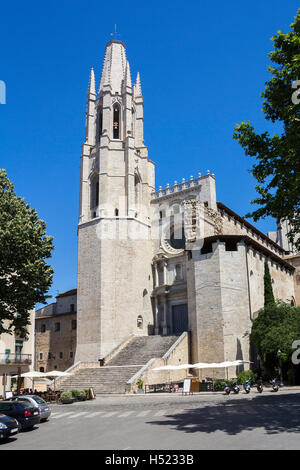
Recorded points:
(179, 319)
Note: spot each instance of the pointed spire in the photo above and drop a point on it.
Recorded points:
(127, 75)
(92, 90)
(138, 89)
(90, 110)
(114, 66)
(105, 71)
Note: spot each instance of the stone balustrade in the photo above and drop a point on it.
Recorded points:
(185, 184)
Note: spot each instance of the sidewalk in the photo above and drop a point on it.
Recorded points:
(266, 389)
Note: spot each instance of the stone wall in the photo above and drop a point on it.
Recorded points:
(8, 342)
(55, 342)
(235, 304)
(282, 280)
(233, 225)
(225, 293)
(205, 306)
(294, 260)
(178, 355)
(114, 288)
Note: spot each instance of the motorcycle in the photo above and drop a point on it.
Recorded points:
(226, 389)
(247, 386)
(275, 387)
(235, 387)
(259, 387)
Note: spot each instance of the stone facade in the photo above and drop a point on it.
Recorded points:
(160, 262)
(114, 243)
(17, 356)
(55, 333)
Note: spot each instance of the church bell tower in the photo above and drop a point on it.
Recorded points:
(114, 244)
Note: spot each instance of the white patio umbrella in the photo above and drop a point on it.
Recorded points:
(216, 365)
(205, 365)
(32, 374)
(55, 374)
(172, 367)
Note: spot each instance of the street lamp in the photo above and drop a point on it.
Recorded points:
(280, 367)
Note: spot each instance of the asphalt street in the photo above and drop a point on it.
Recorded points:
(170, 422)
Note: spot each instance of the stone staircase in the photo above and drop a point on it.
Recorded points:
(141, 349)
(101, 379)
(113, 377)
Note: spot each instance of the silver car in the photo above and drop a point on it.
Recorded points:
(37, 401)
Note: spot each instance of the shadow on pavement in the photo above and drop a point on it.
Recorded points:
(275, 414)
(8, 440)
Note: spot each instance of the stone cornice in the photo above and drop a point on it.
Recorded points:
(252, 243)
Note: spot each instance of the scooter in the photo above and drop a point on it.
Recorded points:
(259, 386)
(247, 386)
(235, 387)
(275, 387)
(227, 389)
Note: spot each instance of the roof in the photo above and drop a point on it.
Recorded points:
(233, 214)
(254, 244)
(114, 66)
(67, 293)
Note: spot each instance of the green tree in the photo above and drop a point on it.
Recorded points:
(277, 165)
(24, 275)
(268, 291)
(276, 327)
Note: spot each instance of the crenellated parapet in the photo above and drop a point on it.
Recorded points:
(183, 186)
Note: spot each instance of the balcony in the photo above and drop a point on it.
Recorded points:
(8, 359)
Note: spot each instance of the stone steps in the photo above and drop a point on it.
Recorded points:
(113, 376)
(143, 348)
(102, 379)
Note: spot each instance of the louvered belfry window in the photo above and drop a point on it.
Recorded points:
(116, 122)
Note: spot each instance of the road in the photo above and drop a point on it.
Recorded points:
(170, 422)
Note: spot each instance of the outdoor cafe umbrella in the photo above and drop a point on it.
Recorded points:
(55, 374)
(205, 365)
(216, 365)
(172, 367)
(32, 374)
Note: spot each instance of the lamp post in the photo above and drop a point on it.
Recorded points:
(280, 367)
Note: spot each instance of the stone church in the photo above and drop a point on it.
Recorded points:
(172, 265)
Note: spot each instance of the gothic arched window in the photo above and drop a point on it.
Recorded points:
(94, 193)
(116, 121)
(133, 122)
(99, 124)
(137, 188)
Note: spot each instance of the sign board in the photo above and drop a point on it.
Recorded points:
(187, 385)
(8, 395)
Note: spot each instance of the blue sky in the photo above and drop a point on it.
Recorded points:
(203, 66)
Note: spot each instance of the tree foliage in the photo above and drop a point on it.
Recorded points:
(277, 165)
(276, 327)
(24, 275)
(268, 291)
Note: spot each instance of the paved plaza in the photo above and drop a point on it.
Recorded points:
(170, 422)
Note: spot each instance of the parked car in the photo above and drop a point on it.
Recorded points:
(27, 415)
(35, 400)
(8, 427)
